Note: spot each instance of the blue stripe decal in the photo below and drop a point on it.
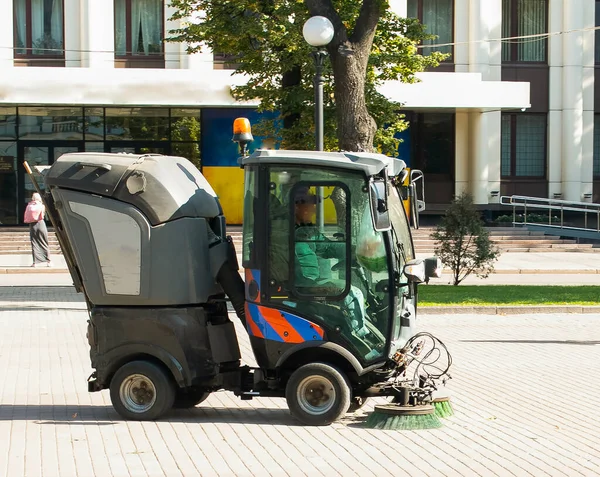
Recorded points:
(265, 328)
(302, 326)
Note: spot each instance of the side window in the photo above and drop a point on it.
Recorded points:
(248, 227)
(320, 240)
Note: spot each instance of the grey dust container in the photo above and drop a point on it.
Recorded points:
(145, 230)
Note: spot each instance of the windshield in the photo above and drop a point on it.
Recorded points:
(401, 238)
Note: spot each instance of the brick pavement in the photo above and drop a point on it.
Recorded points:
(525, 390)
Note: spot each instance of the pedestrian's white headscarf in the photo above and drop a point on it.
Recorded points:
(36, 197)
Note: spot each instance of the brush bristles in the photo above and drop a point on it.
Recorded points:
(443, 408)
(389, 422)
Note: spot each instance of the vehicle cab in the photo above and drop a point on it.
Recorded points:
(326, 240)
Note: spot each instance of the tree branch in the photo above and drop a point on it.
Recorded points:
(367, 20)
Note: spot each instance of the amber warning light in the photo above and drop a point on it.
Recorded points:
(242, 133)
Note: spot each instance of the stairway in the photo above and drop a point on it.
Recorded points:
(15, 241)
(511, 239)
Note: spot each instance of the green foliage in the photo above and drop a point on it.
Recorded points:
(462, 243)
(264, 38)
(531, 218)
(496, 295)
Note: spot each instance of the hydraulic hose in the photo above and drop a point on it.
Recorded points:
(230, 280)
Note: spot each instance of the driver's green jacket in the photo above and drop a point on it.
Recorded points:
(311, 246)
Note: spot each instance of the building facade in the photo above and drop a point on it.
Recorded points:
(498, 117)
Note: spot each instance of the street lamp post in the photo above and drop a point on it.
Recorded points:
(318, 32)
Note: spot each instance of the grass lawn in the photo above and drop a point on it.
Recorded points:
(469, 295)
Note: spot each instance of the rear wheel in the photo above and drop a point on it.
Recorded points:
(318, 394)
(141, 391)
(187, 398)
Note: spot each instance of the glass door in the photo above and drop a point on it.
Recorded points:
(38, 153)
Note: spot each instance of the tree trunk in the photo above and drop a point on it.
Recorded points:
(356, 127)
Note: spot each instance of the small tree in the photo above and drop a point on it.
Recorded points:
(462, 243)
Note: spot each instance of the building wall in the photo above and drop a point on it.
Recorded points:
(90, 77)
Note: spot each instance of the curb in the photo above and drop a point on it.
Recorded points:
(506, 310)
(12, 270)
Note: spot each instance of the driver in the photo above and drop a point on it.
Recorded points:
(311, 248)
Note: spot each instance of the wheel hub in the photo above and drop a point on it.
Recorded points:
(137, 393)
(316, 395)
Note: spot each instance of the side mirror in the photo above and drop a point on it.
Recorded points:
(433, 268)
(379, 210)
(415, 270)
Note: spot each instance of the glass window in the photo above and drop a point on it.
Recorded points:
(8, 123)
(139, 27)
(150, 124)
(524, 145)
(438, 17)
(523, 18)
(250, 197)
(8, 183)
(38, 28)
(434, 143)
(596, 145)
(47, 122)
(94, 124)
(506, 142)
(185, 124)
(189, 150)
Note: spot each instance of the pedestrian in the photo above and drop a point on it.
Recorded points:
(38, 233)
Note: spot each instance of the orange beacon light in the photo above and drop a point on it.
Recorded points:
(242, 133)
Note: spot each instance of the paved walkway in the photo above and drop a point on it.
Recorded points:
(515, 413)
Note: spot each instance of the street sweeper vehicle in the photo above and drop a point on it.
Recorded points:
(330, 292)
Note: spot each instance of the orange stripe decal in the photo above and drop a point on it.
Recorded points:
(281, 325)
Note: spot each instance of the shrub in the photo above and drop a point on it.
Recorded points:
(462, 242)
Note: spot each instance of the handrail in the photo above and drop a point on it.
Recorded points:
(524, 202)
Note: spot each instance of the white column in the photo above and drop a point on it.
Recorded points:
(479, 148)
(72, 26)
(485, 23)
(572, 153)
(554, 152)
(587, 140)
(7, 41)
(494, 154)
(172, 50)
(461, 162)
(555, 128)
(461, 35)
(98, 34)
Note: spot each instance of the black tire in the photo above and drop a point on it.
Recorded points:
(142, 391)
(357, 403)
(187, 398)
(318, 394)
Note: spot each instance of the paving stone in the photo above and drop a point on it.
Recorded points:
(524, 391)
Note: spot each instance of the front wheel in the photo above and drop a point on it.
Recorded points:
(141, 391)
(318, 394)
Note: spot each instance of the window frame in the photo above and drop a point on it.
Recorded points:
(514, 31)
(513, 147)
(596, 150)
(313, 292)
(29, 36)
(128, 39)
(450, 59)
